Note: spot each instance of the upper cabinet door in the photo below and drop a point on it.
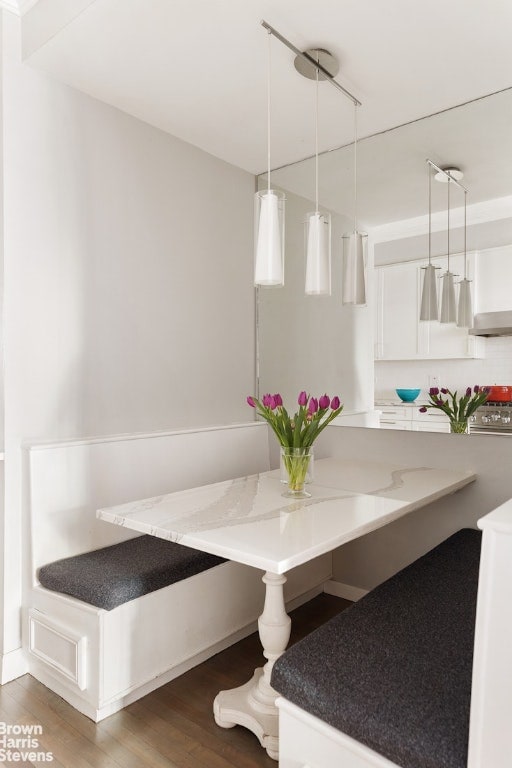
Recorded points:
(492, 269)
(399, 335)
(396, 303)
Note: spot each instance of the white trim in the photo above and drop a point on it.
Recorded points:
(13, 664)
(19, 7)
(346, 591)
(93, 440)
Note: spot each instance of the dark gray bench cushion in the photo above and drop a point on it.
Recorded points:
(394, 670)
(113, 575)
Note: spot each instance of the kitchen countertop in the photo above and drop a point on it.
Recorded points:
(394, 402)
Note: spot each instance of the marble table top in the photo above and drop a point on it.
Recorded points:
(249, 521)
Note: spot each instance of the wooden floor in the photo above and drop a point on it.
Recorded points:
(172, 727)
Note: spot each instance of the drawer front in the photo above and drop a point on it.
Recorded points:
(432, 415)
(389, 412)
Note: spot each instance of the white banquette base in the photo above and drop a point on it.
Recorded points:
(307, 742)
(100, 661)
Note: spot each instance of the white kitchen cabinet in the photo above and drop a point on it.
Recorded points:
(399, 335)
(396, 302)
(395, 417)
(431, 421)
(492, 268)
(410, 418)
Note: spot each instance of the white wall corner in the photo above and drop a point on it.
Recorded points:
(18, 6)
(13, 665)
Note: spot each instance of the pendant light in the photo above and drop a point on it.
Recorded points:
(465, 309)
(269, 218)
(318, 235)
(448, 308)
(429, 307)
(354, 247)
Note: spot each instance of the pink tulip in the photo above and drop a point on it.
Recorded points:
(303, 398)
(423, 409)
(267, 400)
(324, 402)
(313, 406)
(278, 400)
(251, 402)
(335, 403)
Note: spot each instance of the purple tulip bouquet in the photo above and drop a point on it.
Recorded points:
(296, 434)
(457, 408)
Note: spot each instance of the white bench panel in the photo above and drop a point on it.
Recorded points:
(125, 653)
(307, 742)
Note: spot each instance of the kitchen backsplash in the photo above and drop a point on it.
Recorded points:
(494, 368)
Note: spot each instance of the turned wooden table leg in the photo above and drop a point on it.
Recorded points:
(253, 704)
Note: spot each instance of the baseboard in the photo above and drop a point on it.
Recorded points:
(347, 591)
(13, 665)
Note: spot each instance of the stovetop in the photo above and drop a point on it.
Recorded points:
(492, 416)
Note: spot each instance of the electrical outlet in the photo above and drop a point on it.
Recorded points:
(433, 380)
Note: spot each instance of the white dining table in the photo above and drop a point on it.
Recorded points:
(248, 520)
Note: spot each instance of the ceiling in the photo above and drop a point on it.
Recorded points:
(198, 69)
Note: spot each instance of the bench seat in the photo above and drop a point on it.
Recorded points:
(132, 612)
(394, 670)
(111, 576)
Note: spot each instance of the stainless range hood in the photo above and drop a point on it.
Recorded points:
(492, 324)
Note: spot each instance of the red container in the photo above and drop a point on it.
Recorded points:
(499, 394)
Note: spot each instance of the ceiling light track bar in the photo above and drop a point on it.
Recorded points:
(313, 63)
(447, 174)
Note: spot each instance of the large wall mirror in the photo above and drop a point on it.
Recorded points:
(316, 343)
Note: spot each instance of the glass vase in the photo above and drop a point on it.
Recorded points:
(296, 471)
(459, 427)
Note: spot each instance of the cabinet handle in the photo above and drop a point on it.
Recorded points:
(388, 422)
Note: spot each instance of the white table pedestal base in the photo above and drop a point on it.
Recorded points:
(253, 704)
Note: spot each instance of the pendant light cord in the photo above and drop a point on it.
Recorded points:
(429, 216)
(316, 142)
(355, 167)
(448, 227)
(269, 62)
(465, 230)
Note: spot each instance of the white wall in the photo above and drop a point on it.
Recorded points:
(129, 303)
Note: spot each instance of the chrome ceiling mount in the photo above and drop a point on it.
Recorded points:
(311, 63)
(305, 68)
(448, 174)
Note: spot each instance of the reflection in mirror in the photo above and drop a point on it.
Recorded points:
(316, 343)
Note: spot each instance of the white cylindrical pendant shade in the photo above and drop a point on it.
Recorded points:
(465, 309)
(269, 237)
(448, 308)
(318, 254)
(353, 274)
(429, 306)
